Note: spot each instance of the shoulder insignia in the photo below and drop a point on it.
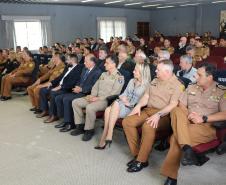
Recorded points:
(120, 79)
(222, 87)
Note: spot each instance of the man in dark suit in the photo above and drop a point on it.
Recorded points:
(61, 85)
(181, 48)
(89, 76)
(103, 53)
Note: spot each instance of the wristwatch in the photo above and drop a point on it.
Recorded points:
(204, 118)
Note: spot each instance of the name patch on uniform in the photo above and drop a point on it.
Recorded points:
(215, 98)
(192, 93)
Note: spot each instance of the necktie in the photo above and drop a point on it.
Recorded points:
(85, 75)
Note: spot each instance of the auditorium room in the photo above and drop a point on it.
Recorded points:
(113, 92)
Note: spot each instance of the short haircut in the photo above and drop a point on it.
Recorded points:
(189, 48)
(165, 54)
(73, 57)
(104, 48)
(186, 58)
(168, 64)
(88, 48)
(28, 53)
(1, 51)
(114, 59)
(209, 68)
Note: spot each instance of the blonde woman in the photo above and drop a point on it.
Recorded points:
(126, 102)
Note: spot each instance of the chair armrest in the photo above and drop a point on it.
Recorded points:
(220, 124)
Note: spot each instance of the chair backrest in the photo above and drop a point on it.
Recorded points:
(218, 51)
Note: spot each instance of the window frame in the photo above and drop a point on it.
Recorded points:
(113, 19)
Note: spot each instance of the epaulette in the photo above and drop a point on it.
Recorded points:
(119, 73)
(222, 87)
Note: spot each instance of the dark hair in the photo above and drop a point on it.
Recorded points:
(28, 53)
(61, 57)
(1, 51)
(190, 47)
(45, 47)
(113, 58)
(104, 48)
(209, 68)
(18, 47)
(88, 48)
(73, 57)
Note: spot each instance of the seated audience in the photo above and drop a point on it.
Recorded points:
(201, 51)
(89, 76)
(20, 75)
(160, 98)
(125, 103)
(110, 83)
(103, 53)
(43, 81)
(199, 106)
(181, 49)
(167, 46)
(130, 47)
(61, 85)
(187, 70)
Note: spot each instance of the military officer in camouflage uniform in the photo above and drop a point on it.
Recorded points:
(110, 83)
(200, 105)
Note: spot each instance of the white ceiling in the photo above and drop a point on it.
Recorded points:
(141, 4)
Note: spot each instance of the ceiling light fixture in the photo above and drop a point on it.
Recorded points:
(112, 2)
(86, 1)
(150, 5)
(130, 4)
(165, 7)
(194, 4)
(214, 2)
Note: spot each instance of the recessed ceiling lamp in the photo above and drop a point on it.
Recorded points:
(112, 2)
(194, 4)
(86, 1)
(150, 5)
(214, 2)
(165, 7)
(130, 4)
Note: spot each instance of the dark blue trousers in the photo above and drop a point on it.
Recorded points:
(64, 107)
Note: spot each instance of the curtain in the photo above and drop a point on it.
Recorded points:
(10, 34)
(111, 26)
(46, 33)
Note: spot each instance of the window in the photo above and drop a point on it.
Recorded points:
(110, 26)
(28, 34)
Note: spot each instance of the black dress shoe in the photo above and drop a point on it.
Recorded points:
(88, 135)
(137, 166)
(37, 111)
(131, 162)
(79, 130)
(67, 128)
(4, 98)
(61, 125)
(189, 157)
(33, 109)
(170, 181)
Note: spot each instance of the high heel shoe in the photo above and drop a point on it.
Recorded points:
(98, 147)
(108, 142)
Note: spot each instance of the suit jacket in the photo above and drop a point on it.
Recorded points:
(70, 80)
(181, 51)
(91, 79)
